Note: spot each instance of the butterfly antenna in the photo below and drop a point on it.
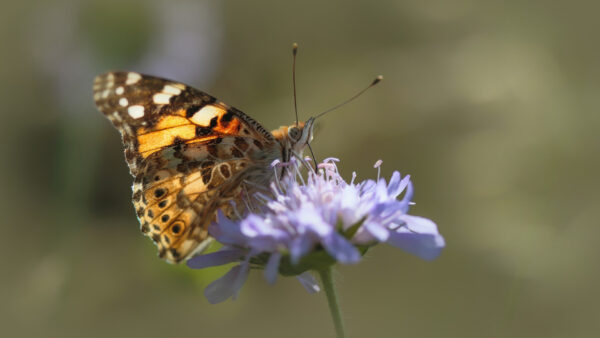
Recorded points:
(376, 81)
(294, 52)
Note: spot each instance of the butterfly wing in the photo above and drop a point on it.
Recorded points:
(189, 154)
(153, 113)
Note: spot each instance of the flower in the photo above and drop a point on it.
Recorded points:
(314, 222)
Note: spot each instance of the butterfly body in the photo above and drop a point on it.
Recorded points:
(190, 155)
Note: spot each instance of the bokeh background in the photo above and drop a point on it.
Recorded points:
(491, 106)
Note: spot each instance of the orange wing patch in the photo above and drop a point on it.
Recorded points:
(232, 127)
(205, 124)
(156, 140)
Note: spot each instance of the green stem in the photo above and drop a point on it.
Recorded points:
(332, 299)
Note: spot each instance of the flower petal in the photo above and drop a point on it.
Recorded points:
(215, 258)
(378, 231)
(228, 285)
(408, 195)
(309, 282)
(226, 231)
(299, 247)
(397, 185)
(419, 237)
(309, 217)
(340, 249)
(253, 226)
(419, 224)
(272, 267)
(331, 160)
(394, 185)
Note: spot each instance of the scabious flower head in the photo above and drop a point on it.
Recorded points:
(309, 223)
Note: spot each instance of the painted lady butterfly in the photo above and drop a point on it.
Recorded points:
(190, 155)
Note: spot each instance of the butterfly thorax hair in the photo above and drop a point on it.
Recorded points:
(294, 138)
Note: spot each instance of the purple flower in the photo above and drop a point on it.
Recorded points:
(311, 223)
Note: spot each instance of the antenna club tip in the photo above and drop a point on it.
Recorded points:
(294, 48)
(377, 79)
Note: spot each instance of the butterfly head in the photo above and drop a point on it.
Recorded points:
(296, 136)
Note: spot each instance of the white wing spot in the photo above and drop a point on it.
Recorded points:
(205, 114)
(117, 117)
(136, 111)
(120, 90)
(181, 86)
(110, 80)
(105, 93)
(133, 78)
(127, 130)
(136, 186)
(161, 98)
(123, 102)
(169, 89)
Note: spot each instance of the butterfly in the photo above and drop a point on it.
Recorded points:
(190, 155)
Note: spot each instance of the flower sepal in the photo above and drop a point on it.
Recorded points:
(352, 230)
(317, 260)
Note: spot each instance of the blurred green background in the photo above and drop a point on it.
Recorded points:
(491, 106)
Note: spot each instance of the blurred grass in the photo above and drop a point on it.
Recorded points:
(491, 106)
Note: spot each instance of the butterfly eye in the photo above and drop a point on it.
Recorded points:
(294, 133)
